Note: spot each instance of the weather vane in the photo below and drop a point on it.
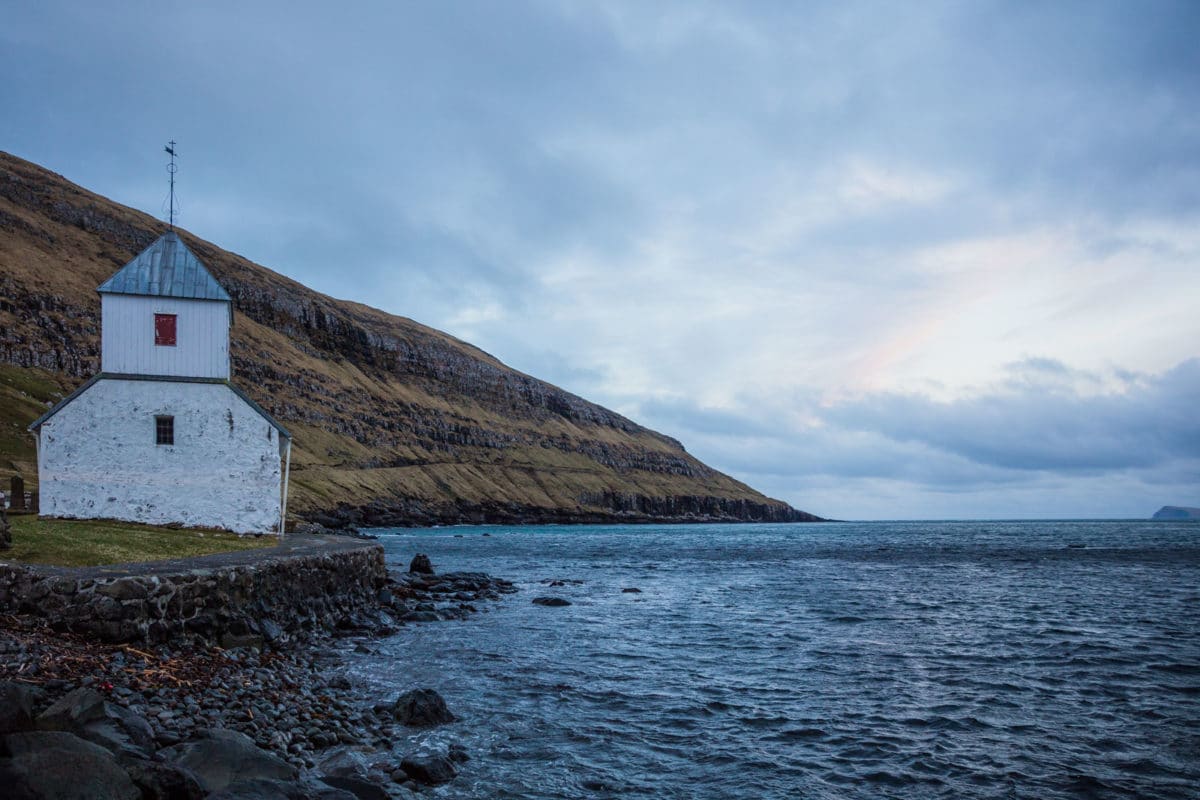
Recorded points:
(172, 169)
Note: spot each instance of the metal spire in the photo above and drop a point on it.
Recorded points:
(171, 168)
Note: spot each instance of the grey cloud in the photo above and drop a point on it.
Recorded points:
(1018, 440)
(1048, 430)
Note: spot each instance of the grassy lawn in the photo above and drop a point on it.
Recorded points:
(89, 543)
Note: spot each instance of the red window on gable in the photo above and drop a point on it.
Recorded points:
(164, 329)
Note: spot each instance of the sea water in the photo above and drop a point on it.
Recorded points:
(842, 660)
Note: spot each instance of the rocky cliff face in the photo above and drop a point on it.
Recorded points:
(394, 422)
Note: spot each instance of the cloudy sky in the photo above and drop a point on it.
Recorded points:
(881, 260)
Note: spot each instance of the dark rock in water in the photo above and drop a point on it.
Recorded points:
(158, 781)
(226, 757)
(421, 564)
(421, 616)
(60, 765)
(487, 534)
(631, 590)
(458, 754)
(358, 787)
(429, 770)
(16, 707)
(550, 601)
(422, 708)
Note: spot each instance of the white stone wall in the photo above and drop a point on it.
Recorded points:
(127, 345)
(97, 458)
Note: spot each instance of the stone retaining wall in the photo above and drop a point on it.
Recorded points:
(266, 596)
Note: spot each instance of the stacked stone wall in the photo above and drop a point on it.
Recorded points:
(274, 597)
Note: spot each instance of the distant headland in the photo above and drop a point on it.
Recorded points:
(1177, 513)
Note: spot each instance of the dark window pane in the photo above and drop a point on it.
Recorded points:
(164, 430)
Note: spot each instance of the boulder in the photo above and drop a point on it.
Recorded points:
(226, 757)
(421, 564)
(631, 590)
(60, 765)
(343, 763)
(421, 708)
(360, 788)
(159, 781)
(16, 707)
(73, 710)
(551, 601)
(271, 632)
(87, 714)
(429, 770)
(263, 789)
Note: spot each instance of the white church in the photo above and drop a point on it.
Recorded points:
(161, 435)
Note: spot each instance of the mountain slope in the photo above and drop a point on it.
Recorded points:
(393, 422)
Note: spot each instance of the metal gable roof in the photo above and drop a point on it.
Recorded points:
(166, 268)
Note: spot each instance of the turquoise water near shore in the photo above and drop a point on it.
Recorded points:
(861, 660)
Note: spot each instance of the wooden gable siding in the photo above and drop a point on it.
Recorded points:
(127, 337)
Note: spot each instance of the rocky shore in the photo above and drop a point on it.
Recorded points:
(608, 509)
(188, 719)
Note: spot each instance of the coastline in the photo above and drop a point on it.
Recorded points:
(278, 719)
(626, 510)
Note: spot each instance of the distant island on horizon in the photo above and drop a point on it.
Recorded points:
(1177, 513)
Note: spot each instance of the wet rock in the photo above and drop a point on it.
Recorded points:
(458, 754)
(421, 565)
(429, 770)
(60, 765)
(121, 731)
(360, 788)
(343, 763)
(421, 708)
(226, 757)
(87, 714)
(551, 601)
(73, 710)
(271, 632)
(232, 641)
(264, 789)
(16, 707)
(159, 781)
(631, 590)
